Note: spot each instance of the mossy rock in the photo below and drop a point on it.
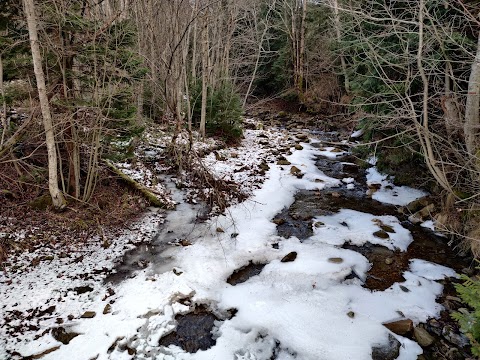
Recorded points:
(381, 234)
(41, 202)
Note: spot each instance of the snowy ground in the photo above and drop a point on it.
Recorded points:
(303, 309)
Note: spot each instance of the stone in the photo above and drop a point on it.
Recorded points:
(351, 314)
(400, 327)
(264, 166)
(422, 336)
(283, 162)
(335, 260)
(457, 339)
(389, 261)
(296, 172)
(289, 257)
(336, 194)
(381, 234)
(387, 228)
(220, 230)
(389, 351)
(107, 309)
(319, 224)
(298, 147)
(422, 214)
(60, 334)
(88, 314)
(278, 221)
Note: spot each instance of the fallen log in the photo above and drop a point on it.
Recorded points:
(146, 192)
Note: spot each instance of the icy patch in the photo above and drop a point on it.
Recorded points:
(357, 228)
(389, 193)
(431, 271)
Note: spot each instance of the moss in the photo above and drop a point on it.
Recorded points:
(41, 202)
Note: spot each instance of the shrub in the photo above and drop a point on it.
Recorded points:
(224, 111)
(469, 321)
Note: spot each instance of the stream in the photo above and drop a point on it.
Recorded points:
(194, 328)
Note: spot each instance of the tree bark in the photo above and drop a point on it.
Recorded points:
(472, 115)
(203, 111)
(338, 31)
(58, 199)
(4, 105)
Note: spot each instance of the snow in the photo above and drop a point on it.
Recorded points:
(430, 270)
(389, 193)
(298, 309)
(357, 134)
(358, 228)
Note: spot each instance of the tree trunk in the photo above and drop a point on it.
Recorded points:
(203, 111)
(301, 51)
(57, 197)
(4, 105)
(338, 31)
(472, 116)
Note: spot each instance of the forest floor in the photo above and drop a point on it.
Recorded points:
(285, 274)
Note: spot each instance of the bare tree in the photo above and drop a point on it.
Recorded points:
(58, 199)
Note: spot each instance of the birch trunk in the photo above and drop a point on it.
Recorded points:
(58, 199)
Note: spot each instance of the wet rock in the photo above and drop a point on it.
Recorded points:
(245, 272)
(400, 327)
(60, 334)
(350, 168)
(83, 289)
(422, 336)
(387, 228)
(381, 234)
(335, 260)
(289, 257)
(278, 221)
(457, 339)
(193, 331)
(88, 314)
(389, 351)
